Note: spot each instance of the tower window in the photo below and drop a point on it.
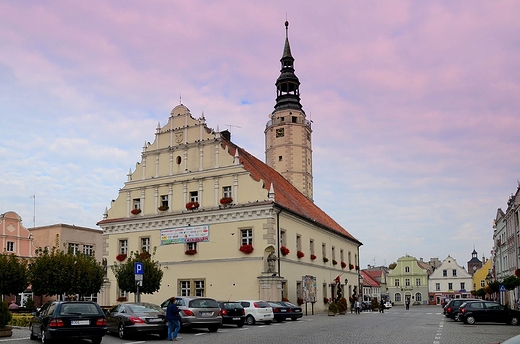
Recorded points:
(280, 132)
(280, 158)
(294, 119)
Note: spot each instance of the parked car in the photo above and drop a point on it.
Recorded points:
(280, 312)
(137, 318)
(197, 312)
(451, 309)
(487, 311)
(388, 305)
(257, 310)
(232, 312)
(513, 340)
(68, 320)
(295, 312)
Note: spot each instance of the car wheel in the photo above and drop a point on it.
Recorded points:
(514, 321)
(97, 340)
(213, 328)
(32, 335)
(44, 338)
(470, 320)
(456, 317)
(121, 331)
(250, 320)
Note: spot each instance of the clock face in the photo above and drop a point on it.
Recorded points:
(279, 132)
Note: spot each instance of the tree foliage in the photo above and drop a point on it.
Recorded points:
(57, 272)
(511, 282)
(125, 276)
(392, 265)
(13, 274)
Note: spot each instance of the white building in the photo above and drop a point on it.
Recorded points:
(450, 280)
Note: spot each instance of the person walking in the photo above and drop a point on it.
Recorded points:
(173, 318)
(382, 306)
(407, 303)
(358, 307)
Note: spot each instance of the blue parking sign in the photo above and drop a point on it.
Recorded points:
(138, 268)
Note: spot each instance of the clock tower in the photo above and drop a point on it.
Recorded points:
(288, 146)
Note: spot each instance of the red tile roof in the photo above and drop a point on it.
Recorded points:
(285, 194)
(368, 280)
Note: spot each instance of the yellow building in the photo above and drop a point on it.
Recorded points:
(480, 277)
(203, 203)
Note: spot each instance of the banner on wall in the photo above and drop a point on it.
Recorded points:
(309, 288)
(184, 235)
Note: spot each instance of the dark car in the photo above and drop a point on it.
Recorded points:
(137, 318)
(70, 320)
(232, 313)
(197, 312)
(295, 312)
(488, 311)
(280, 312)
(451, 309)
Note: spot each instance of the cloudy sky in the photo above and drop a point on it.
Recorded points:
(415, 106)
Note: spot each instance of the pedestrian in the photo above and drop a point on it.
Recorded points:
(407, 303)
(358, 307)
(382, 306)
(173, 318)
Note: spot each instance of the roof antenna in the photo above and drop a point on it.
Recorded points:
(180, 99)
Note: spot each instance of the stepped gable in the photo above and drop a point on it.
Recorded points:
(286, 195)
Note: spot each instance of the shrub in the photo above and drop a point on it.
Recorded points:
(5, 315)
(21, 319)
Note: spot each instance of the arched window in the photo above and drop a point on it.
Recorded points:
(397, 297)
(418, 297)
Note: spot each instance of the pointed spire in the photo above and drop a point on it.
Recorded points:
(271, 192)
(236, 158)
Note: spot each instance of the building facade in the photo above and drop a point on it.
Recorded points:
(223, 224)
(15, 238)
(450, 281)
(408, 280)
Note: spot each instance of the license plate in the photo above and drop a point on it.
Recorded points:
(80, 322)
(236, 318)
(206, 314)
(154, 320)
(267, 315)
(283, 310)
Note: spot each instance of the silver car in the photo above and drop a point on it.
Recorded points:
(197, 312)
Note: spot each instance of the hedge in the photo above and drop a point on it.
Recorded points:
(21, 320)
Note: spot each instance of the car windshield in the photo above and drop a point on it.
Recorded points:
(144, 308)
(78, 308)
(232, 305)
(203, 303)
(261, 304)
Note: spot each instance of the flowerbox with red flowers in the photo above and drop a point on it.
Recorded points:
(163, 208)
(135, 211)
(334, 262)
(343, 265)
(145, 255)
(226, 200)
(192, 205)
(190, 252)
(285, 251)
(300, 254)
(121, 299)
(247, 249)
(121, 257)
(325, 259)
(313, 257)
(351, 266)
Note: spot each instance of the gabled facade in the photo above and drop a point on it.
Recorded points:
(15, 238)
(371, 289)
(408, 280)
(450, 280)
(222, 223)
(482, 276)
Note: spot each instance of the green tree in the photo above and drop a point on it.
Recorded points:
(125, 276)
(511, 282)
(392, 265)
(57, 272)
(13, 274)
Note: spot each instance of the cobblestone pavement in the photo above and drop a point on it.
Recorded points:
(419, 325)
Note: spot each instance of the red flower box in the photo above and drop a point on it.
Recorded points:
(192, 205)
(145, 255)
(247, 249)
(226, 200)
(163, 208)
(351, 266)
(121, 257)
(325, 259)
(190, 252)
(313, 257)
(285, 251)
(300, 254)
(334, 262)
(343, 265)
(135, 211)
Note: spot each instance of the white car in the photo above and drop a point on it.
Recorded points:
(388, 305)
(257, 310)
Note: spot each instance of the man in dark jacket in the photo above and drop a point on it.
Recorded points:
(173, 318)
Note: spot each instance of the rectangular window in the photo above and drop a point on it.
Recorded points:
(283, 239)
(246, 237)
(437, 286)
(396, 282)
(406, 269)
(191, 246)
(194, 196)
(10, 246)
(88, 250)
(298, 242)
(444, 273)
(311, 246)
(226, 192)
(164, 200)
(184, 287)
(418, 282)
(333, 253)
(299, 291)
(74, 248)
(349, 260)
(199, 288)
(324, 291)
(123, 246)
(137, 203)
(482, 283)
(450, 286)
(407, 282)
(454, 273)
(324, 250)
(145, 244)
(122, 294)
(341, 255)
(462, 286)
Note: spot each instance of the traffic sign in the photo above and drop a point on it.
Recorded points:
(138, 277)
(139, 283)
(138, 268)
(502, 289)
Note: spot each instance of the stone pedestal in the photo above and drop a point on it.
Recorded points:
(271, 287)
(6, 331)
